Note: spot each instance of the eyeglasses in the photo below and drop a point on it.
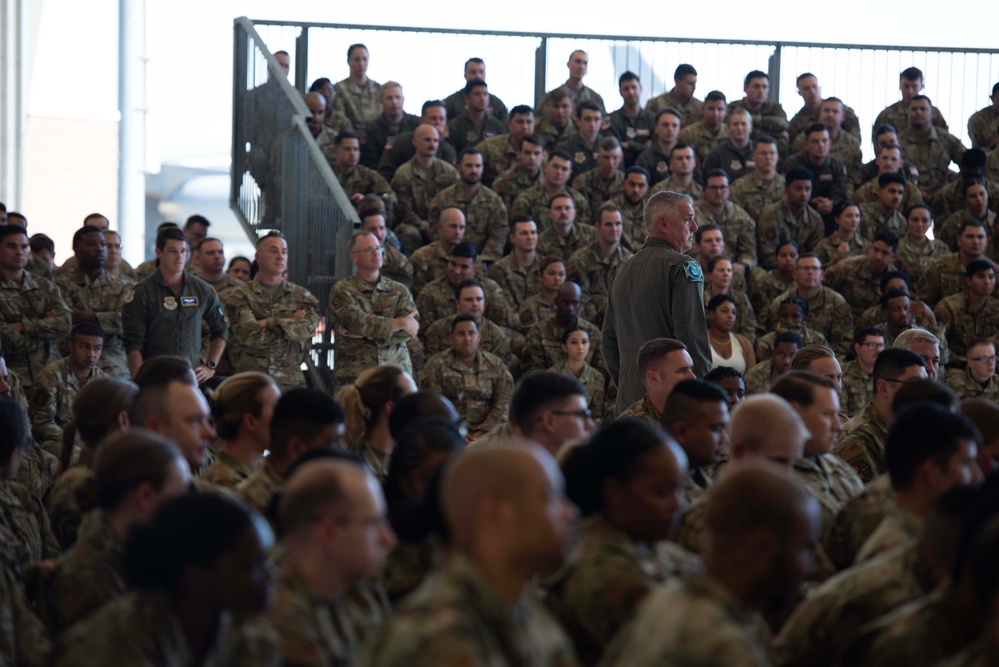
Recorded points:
(989, 359)
(370, 251)
(873, 346)
(581, 414)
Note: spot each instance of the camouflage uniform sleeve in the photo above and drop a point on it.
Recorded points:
(301, 329)
(534, 355)
(604, 597)
(50, 327)
(772, 122)
(496, 231)
(498, 308)
(430, 376)
(853, 452)
(501, 404)
(747, 241)
(347, 311)
(42, 410)
(23, 639)
(766, 240)
(577, 273)
(928, 288)
(406, 208)
(841, 334)
(521, 206)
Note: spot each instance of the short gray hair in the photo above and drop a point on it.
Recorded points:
(664, 202)
(355, 237)
(915, 335)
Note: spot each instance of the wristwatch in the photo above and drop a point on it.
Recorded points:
(211, 364)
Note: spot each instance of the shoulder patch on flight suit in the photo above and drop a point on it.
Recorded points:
(692, 270)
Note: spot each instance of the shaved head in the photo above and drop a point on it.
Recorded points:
(480, 487)
(324, 486)
(767, 426)
(423, 131)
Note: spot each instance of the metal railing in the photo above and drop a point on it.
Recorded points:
(521, 66)
(281, 180)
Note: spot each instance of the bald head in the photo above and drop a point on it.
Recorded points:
(504, 499)
(316, 103)
(756, 494)
(766, 426)
(424, 131)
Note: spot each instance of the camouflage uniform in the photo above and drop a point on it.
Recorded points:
(857, 520)
(694, 190)
(511, 183)
(313, 631)
(456, 618)
(498, 155)
(544, 345)
(402, 151)
(104, 297)
(897, 115)
(922, 633)
(436, 300)
(24, 641)
(944, 276)
(992, 166)
(777, 223)
(872, 221)
(857, 389)
(806, 117)
(948, 231)
(655, 161)
(480, 392)
(62, 501)
(828, 313)
(829, 246)
(828, 177)
(492, 338)
(761, 377)
(932, 155)
(455, 105)
(765, 344)
(767, 286)
(277, 348)
(635, 231)
(690, 110)
(831, 481)
(258, 489)
(862, 444)
(415, 188)
(754, 194)
(599, 191)
(535, 202)
(552, 134)
(596, 392)
(769, 119)
(845, 148)
(593, 272)
(429, 263)
(695, 484)
(601, 586)
(899, 528)
(358, 103)
(982, 128)
(25, 527)
(534, 309)
(671, 627)
(141, 629)
(86, 577)
(950, 198)
(965, 323)
(966, 387)
(738, 230)
(226, 471)
(52, 399)
(397, 267)
(407, 565)
(584, 94)
(831, 616)
(367, 309)
(146, 269)
(364, 181)
(485, 215)
(29, 302)
(580, 236)
(701, 139)
(463, 132)
(915, 259)
(516, 282)
(868, 194)
(644, 409)
(854, 280)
